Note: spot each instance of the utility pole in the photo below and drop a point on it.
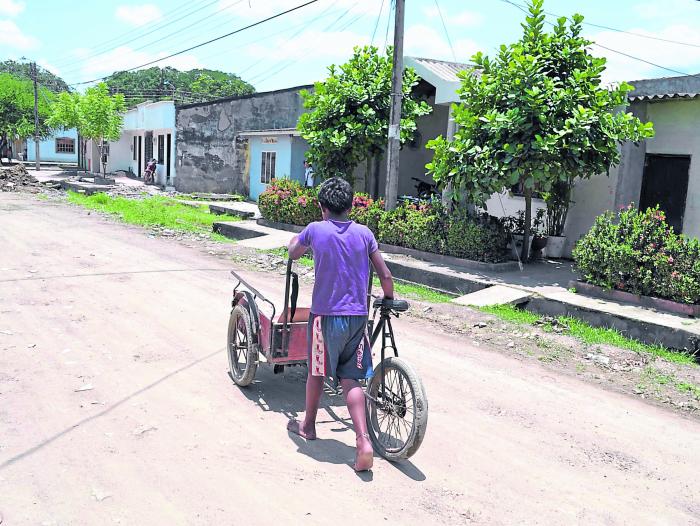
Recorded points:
(37, 161)
(392, 172)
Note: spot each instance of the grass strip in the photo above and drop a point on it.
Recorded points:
(591, 335)
(154, 211)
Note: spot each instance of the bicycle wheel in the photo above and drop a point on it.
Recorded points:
(397, 416)
(242, 352)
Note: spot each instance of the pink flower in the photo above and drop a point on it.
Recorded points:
(675, 275)
(670, 260)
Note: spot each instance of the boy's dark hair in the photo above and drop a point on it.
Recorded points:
(335, 194)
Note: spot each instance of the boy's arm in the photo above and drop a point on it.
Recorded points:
(295, 248)
(383, 273)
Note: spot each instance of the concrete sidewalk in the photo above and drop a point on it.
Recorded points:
(548, 281)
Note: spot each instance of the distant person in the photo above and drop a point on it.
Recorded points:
(150, 173)
(308, 174)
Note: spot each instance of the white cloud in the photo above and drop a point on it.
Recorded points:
(427, 42)
(124, 57)
(10, 7)
(12, 36)
(138, 15)
(454, 20)
(682, 58)
(320, 44)
(48, 66)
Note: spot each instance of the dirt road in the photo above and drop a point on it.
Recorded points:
(160, 435)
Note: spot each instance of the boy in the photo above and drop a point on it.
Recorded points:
(338, 342)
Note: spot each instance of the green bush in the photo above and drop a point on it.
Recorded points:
(426, 227)
(638, 252)
(481, 239)
(286, 201)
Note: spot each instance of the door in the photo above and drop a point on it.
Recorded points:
(168, 155)
(665, 183)
(148, 148)
(140, 167)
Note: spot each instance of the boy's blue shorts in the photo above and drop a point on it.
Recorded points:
(339, 347)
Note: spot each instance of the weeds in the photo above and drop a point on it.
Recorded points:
(154, 211)
(652, 378)
(588, 334)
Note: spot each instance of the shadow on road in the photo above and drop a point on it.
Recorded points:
(285, 394)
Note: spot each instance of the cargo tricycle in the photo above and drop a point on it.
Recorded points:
(259, 332)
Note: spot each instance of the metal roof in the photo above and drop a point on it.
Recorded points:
(662, 96)
(445, 70)
(272, 131)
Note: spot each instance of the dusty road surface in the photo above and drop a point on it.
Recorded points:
(160, 435)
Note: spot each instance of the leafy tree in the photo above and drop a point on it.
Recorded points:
(535, 114)
(349, 118)
(17, 109)
(171, 84)
(44, 77)
(96, 114)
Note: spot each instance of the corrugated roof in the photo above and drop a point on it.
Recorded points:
(663, 96)
(442, 68)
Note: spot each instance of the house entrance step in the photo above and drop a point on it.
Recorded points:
(494, 295)
(250, 234)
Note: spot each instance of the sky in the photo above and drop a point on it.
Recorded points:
(82, 41)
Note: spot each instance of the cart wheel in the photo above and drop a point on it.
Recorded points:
(242, 351)
(398, 417)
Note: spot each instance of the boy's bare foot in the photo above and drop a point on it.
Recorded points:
(295, 427)
(364, 457)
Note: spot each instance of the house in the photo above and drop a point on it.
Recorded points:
(59, 147)
(148, 133)
(239, 144)
(663, 170)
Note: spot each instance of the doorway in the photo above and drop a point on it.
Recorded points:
(139, 166)
(168, 156)
(665, 183)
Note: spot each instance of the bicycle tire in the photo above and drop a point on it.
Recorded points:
(239, 324)
(395, 448)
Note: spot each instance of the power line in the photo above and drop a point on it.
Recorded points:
(376, 25)
(639, 59)
(388, 23)
(207, 42)
(447, 34)
(142, 34)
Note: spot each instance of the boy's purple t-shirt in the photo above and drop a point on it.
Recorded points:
(341, 261)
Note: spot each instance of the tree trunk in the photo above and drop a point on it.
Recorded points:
(375, 175)
(525, 253)
(368, 176)
(101, 149)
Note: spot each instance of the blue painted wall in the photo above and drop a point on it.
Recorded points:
(47, 148)
(283, 164)
(299, 147)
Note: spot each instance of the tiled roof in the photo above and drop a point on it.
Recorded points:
(662, 96)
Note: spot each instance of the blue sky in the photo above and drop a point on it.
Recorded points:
(83, 40)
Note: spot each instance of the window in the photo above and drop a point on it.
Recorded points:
(267, 171)
(135, 146)
(65, 145)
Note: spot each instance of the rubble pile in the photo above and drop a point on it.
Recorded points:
(17, 179)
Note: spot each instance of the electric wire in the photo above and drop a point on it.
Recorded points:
(201, 44)
(376, 25)
(447, 34)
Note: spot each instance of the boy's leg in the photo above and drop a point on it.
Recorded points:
(355, 400)
(307, 427)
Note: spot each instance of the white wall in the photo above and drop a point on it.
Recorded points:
(677, 133)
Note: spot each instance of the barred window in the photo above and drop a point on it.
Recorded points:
(65, 145)
(267, 171)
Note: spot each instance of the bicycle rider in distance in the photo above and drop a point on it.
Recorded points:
(338, 341)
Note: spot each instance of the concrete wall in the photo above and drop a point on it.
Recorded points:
(47, 148)
(211, 156)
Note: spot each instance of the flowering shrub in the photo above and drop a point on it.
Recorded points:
(638, 252)
(367, 211)
(286, 201)
(426, 226)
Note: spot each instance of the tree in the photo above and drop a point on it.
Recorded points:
(349, 118)
(171, 84)
(44, 77)
(17, 109)
(536, 114)
(96, 114)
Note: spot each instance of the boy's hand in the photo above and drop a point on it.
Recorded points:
(296, 249)
(383, 273)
